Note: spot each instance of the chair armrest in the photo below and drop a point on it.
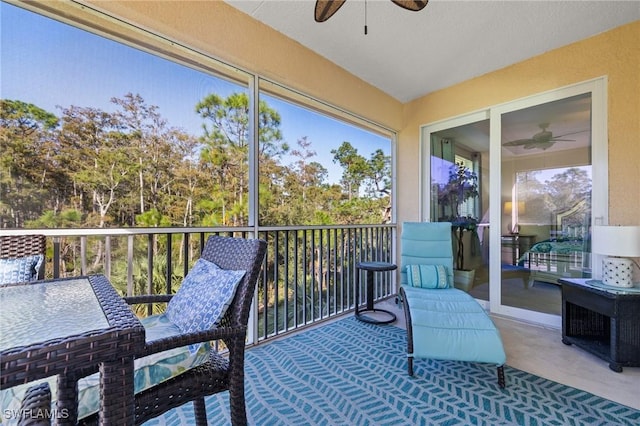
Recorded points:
(219, 333)
(149, 298)
(225, 331)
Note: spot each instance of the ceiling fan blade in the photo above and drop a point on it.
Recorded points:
(562, 140)
(520, 142)
(326, 8)
(568, 134)
(414, 5)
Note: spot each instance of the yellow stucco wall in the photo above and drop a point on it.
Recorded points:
(615, 54)
(225, 33)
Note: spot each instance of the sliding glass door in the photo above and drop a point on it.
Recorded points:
(546, 186)
(522, 183)
(545, 197)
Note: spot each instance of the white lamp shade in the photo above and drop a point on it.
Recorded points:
(623, 241)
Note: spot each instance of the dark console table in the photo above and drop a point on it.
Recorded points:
(514, 246)
(603, 320)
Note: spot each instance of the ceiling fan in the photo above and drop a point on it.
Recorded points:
(541, 140)
(326, 8)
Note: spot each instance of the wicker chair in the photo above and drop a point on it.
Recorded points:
(13, 246)
(219, 373)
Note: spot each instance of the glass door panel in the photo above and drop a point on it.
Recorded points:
(459, 193)
(545, 200)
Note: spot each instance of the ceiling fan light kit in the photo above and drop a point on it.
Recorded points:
(325, 9)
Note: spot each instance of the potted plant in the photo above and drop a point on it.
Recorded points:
(461, 187)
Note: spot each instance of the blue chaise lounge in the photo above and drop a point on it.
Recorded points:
(443, 322)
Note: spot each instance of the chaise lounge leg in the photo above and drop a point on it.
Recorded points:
(501, 381)
(410, 365)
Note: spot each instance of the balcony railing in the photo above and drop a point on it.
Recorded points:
(309, 273)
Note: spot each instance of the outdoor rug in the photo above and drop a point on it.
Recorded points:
(352, 373)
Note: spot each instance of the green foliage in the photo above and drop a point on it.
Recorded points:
(130, 168)
(26, 174)
(152, 218)
(69, 219)
(25, 119)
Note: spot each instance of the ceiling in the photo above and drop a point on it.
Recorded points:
(410, 54)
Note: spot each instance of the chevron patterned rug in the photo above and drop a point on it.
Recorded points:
(351, 373)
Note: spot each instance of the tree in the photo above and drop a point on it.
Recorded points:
(301, 190)
(355, 168)
(373, 174)
(27, 142)
(568, 188)
(129, 167)
(226, 148)
(152, 145)
(96, 158)
(189, 181)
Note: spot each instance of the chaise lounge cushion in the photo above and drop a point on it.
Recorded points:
(450, 324)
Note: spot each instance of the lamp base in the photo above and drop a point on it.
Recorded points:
(617, 272)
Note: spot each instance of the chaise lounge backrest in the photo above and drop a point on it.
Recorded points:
(426, 243)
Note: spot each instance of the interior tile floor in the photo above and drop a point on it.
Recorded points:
(540, 351)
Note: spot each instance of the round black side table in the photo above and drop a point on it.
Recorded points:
(372, 267)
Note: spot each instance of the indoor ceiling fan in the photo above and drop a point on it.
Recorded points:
(541, 140)
(326, 8)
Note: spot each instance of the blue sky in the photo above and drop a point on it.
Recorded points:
(51, 64)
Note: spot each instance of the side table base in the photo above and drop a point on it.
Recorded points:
(362, 316)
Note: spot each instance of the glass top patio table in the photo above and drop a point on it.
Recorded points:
(71, 328)
(35, 313)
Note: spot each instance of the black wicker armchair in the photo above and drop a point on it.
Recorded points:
(220, 372)
(14, 246)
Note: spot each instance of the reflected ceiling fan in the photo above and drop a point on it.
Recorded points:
(326, 8)
(541, 140)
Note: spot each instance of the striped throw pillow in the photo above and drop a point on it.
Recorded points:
(428, 276)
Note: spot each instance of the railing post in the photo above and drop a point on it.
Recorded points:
(150, 241)
(83, 255)
(56, 257)
(169, 272)
(185, 254)
(130, 265)
(107, 256)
